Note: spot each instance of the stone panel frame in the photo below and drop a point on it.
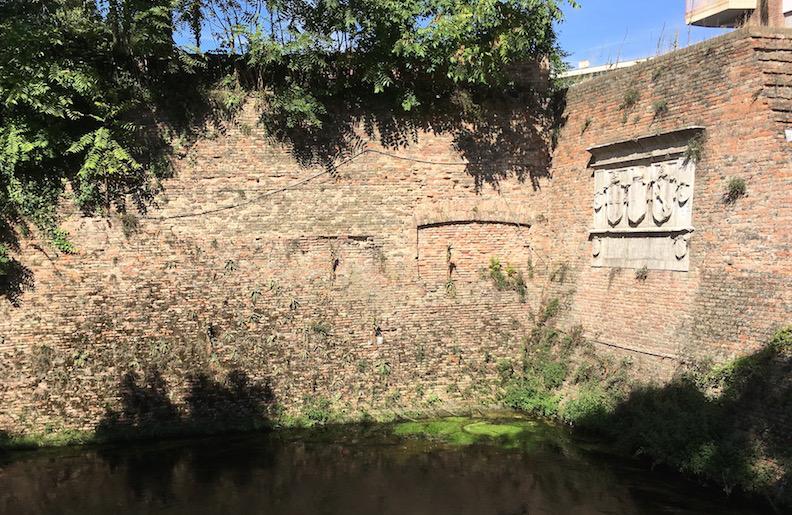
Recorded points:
(643, 201)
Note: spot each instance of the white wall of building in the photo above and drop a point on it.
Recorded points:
(787, 8)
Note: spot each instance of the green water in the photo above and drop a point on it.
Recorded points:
(450, 466)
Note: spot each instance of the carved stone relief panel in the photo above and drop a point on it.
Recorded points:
(643, 203)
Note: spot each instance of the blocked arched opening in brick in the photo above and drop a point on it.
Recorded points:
(461, 249)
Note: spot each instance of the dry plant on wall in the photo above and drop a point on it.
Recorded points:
(631, 98)
(586, 125)
(507, 278)
(695, 149)
(659, 108)
(735, 189)
(450, 285)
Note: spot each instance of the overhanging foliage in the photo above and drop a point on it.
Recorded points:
(89, 89)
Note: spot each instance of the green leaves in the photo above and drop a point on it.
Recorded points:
(84, 84)
(105, 161)
(5, 260)
(298, 108)
(311, 57)
(77, 81)
(409, 101)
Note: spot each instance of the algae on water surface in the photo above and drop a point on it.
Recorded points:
(467, 431)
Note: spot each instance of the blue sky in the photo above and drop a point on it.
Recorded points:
(604, 31)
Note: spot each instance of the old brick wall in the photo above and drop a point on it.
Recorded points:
(739, 287)
(256, 277)
(253, 266)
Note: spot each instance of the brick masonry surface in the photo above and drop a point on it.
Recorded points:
(256, 276)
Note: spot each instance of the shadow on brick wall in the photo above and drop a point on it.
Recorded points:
(15, 277)
(499, 133)
(731, 426)
(146, 410)
(508, 135)
(512, 138)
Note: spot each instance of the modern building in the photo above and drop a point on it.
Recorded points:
(585, 71)
(736, 13)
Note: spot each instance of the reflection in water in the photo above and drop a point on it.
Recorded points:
(346, 471)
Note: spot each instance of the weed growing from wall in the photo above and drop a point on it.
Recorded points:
(317, 411)
(631, 98)
(505, 369)
(420, 353)
(657, 73)
(450, 285)
(530, 266)
(660, 108)
(548, 311)
(420, 391)
(735, 189)
(695, 149)
(384, 369)
(320, 328)
(450, 288)
(586, 124)
(560, 375)
(507, 278)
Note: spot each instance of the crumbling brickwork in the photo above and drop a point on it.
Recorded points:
(370, 286)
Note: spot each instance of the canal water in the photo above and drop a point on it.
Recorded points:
(450, 466)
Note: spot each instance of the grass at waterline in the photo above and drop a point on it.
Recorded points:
(726, 424)
(482, 424)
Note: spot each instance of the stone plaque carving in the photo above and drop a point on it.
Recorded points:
(643, 202)
(636, 199)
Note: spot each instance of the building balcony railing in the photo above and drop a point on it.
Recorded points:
(718, 13)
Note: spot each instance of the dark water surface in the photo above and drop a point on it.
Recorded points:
(346, 471)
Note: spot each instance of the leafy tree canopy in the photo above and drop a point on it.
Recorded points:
(89, 88)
